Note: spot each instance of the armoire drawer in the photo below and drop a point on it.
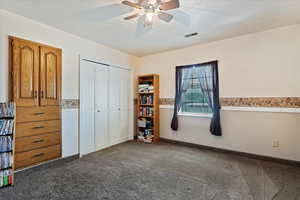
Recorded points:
(35, 156)
(29, 114)
(37, 141)
(36, 128)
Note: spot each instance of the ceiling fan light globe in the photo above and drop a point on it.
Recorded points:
(149, 16)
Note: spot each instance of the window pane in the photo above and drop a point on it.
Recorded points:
(193, 100)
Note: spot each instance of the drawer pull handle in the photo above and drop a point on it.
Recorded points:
(35, 94)
(38, 127)
(38, 141)
(38, 155)
(39, 113)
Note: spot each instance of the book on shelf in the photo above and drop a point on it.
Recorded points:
(146, 111)
(145, 88)
(146, 135)
(145, 132)
(6, 143)
(6, 177)
(146, 99)
(5, 160)
(6, 127)
(144, 123)
(6, 110)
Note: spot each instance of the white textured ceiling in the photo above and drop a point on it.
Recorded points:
(102, 21)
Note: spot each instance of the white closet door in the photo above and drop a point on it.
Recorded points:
(119, 105)
(124, 104)
(93, 107)
(114, 105)
(87, 107)
(101, 108)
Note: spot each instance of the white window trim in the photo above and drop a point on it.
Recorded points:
(245, 109)
(199, 115)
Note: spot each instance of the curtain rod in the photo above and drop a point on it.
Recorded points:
(187, 66)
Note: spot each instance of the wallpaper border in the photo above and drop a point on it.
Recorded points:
(278, 102)
(69, 103)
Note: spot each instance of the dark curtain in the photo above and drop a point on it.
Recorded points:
(178, 94)
(209, 84)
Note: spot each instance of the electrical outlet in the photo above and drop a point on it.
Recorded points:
(276, 144)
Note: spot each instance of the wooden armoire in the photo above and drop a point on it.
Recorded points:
(35, 87)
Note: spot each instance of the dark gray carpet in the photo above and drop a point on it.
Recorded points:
(135, 171)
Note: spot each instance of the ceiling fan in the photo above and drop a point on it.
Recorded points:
(153, 8)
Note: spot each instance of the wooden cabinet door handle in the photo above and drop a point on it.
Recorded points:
(39, 113)
(38, 141)
(42, 94)
(38, 155)
(38, 127)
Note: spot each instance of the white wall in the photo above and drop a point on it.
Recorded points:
(72, 46)
(264, 64)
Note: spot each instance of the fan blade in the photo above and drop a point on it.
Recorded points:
(131, 16)
(169, 5)
(131, 4)
(165, 16)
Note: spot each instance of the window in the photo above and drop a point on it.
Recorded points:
(197, 94)
(193, 100)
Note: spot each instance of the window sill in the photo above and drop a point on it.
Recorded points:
(198, 115)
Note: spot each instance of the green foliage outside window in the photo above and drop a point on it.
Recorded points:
(193, 100)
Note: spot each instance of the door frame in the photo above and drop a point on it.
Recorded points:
(131, 95)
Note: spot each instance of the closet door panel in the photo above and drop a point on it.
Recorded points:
(50, 75)
(25, 61)
(119, 92)
(114, 105)
(101, 107)
(124, 104)
(114, 88)
(114, 127)
(87, 102)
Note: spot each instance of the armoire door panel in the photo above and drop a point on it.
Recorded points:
(26, 73)
(25, 61)
(50, 75)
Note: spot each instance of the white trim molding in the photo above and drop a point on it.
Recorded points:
(166, 106)
(199, 115)
(261, 109)
(246, 109)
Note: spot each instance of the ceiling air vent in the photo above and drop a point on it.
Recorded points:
(190, 35)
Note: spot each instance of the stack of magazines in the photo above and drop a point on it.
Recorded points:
(5, 144)
(6, 127)
(6, 110)
(5, 160)
(145, 88)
